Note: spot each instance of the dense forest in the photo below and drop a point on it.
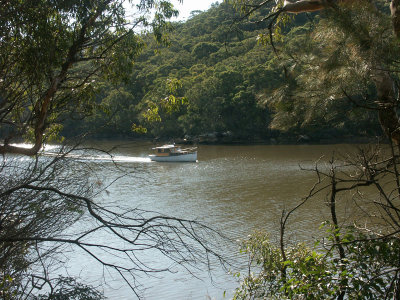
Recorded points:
(217, 81)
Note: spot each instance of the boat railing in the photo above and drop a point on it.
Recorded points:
(192, 149)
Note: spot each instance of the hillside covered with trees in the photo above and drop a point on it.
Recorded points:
(216, 79)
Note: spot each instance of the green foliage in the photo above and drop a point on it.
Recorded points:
(55, 57)
(317, 273)
(213, 91)
(59, 62)
(231, 83)
(161, 106)
(304, 273)
(204, 49)
(329, 73)
(139, 129)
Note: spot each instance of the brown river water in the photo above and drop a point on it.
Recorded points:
(235, 189)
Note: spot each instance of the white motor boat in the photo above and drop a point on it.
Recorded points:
(172, 153)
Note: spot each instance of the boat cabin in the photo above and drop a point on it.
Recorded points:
(174, 153)
(166, 150)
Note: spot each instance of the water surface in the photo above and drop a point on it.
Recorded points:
(235, 189)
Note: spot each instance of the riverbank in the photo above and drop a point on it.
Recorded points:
(282, 140)
(231, 139)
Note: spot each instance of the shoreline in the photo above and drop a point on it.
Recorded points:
(252, 141)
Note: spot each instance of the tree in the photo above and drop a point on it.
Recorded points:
(43, 197)
(54, 56)
(358, 256)
(204, 49)
(349, 22)
(343, 61)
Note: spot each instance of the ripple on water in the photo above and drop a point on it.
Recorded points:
(236, 189)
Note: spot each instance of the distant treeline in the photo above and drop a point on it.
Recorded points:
(217, 80)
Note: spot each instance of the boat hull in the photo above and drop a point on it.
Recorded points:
(188, 157)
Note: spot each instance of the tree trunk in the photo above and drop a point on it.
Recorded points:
(43, 105)
(385, 85)
(311, 5)
(302, 6)
(394, 9)
(387, 112)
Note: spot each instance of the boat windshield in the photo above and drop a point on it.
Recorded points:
(163, 150)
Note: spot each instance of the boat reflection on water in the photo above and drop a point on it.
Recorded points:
(173, 153)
